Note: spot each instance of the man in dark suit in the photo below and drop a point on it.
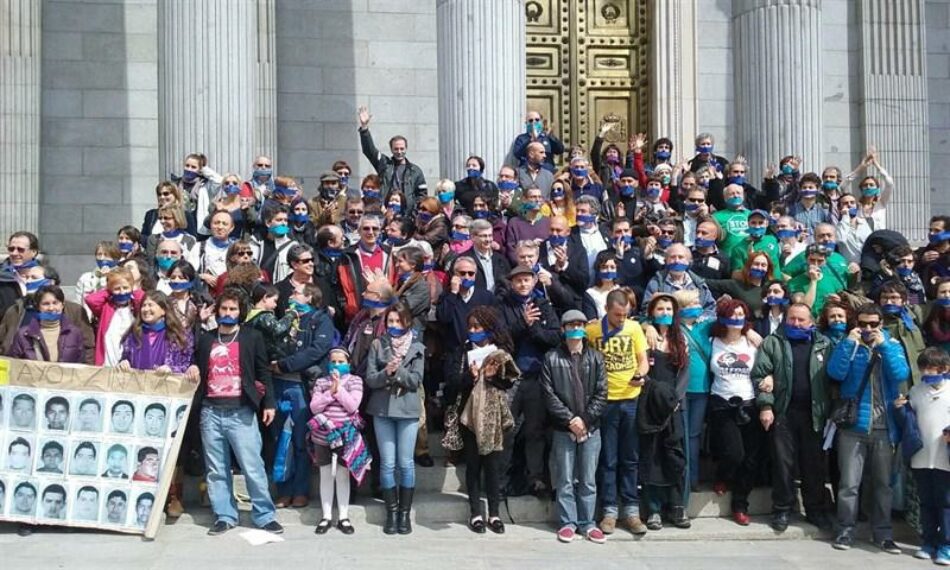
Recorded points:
(491, 266)
(565, 259)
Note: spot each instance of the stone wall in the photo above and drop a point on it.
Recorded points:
(938, 70)
(334, 55)
(99, 124)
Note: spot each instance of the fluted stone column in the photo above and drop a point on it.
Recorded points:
(894, 73)
(481, 62)
(778, 81)
(674, 56)
(215, 93)
(20, 38)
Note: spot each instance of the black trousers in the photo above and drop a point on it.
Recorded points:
(796, 448)
(740, 449)
(475, 465)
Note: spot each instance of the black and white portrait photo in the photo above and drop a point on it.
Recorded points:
(24, 499)
(85, 506)
(154, 420)
(117, 462)
(116, 507)
(19, 453)
(56, 413)
(53, 502)
(23, 412)
(84, 459)
(88, 415)
(51, 458)
(143, 509)
(122, 417)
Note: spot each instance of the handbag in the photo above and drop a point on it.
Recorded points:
(845, 411)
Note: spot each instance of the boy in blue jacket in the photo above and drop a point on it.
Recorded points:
(868, 352)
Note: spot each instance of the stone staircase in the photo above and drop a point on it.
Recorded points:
(440, 502)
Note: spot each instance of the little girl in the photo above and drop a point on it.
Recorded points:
(115, 308)
(335, 435)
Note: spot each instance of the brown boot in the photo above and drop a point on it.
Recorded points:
(174, 508)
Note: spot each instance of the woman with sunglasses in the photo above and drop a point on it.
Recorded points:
(561, 202)
(233, 199)
(167, 195)
(239, 253)
(172, 219)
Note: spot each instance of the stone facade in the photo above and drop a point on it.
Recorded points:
(100, 85)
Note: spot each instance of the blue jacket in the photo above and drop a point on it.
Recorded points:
(847, 365)
(314, 341)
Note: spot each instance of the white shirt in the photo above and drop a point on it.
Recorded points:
(933, 414)
(731, 366)
(485, 262)
(593, 243)
(118, 326)
(600, 300)
(215, 259)
(851, 238)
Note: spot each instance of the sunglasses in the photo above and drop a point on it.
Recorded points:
(15, 249)
(243, 253)
(370, 229)
(355, 212)
(868, 324)
(696, 200)
(465, 273)
(308, 260)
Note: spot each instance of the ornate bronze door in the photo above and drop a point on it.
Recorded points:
(586, 63)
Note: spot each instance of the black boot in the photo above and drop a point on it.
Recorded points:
(405, 505)
(392, 506)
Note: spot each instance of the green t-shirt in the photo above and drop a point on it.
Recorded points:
(827, 285)
(799, 264)
(766, 243)
(734, 225)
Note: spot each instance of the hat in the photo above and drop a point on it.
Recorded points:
(573, 316)
(762, 213)
(520, 270)
(329, 176)
(629, 173)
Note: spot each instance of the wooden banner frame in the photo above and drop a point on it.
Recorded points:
(77, 379)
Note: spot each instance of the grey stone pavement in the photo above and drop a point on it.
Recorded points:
(185, 546)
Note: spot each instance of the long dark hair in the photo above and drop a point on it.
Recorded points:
(489, 319)
(173, 327)
(674, 333)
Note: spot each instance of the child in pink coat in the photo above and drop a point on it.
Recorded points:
(335, 434)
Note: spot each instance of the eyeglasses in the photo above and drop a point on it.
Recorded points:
(534, 120)
(868, 324)
(465, 273)
(243, 253)
(15, 249)
(370, 229)
(669, 233)
(696, 200)
(355, 212)
(308, 260)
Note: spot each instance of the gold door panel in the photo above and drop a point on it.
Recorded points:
(586, 63)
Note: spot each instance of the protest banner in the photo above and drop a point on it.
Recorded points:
(87, 446)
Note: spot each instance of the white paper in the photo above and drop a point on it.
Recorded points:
(830, 430)
(257, 537)
(479, 354)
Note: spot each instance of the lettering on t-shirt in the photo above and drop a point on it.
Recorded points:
(618, 353)
(731, 363)
(224, 371)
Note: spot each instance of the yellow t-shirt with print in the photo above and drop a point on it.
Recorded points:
(620, 356)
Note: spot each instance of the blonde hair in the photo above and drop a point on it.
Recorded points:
(119, 274)
(686, 297)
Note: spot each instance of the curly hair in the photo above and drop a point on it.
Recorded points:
(490, 321)
(724, 310)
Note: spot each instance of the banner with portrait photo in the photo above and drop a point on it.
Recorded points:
(86, 446)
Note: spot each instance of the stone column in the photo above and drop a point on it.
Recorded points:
(895, 110)
(674, 56)
(215, 92)
(778, 81)
(20, 38)
(481, 62)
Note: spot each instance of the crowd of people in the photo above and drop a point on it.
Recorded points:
(617, 331)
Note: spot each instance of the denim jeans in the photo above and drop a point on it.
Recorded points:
(396, 438)
(299, 482)
(695, 418)
(572, 461)
(619, 459)
(223, 431)
(854, 450)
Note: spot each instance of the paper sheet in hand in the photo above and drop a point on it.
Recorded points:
(478, 355)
